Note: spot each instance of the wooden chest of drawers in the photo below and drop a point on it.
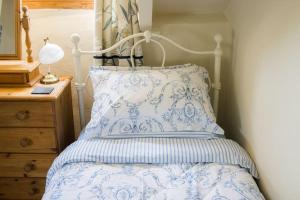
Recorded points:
(34, 129)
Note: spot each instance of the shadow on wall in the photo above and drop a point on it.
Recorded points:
(231, 115)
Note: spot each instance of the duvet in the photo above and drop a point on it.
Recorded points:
(152, 168)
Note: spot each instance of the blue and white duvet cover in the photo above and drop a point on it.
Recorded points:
(152, 168)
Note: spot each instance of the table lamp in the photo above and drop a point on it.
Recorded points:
(50, 54)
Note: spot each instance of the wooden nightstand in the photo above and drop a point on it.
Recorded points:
(34, 129)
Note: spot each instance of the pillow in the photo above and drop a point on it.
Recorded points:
(146, 102)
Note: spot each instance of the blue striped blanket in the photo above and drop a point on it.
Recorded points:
(154, 151)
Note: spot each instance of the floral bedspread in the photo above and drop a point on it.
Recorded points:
(153, 168)
(145, 181)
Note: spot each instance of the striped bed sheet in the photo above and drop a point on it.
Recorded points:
(155, 151)
(153, 168)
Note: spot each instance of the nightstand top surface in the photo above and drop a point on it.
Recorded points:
(24, 93)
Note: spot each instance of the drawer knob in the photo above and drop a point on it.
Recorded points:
(25, 142)
(22, 115)
(34, 191)
(29, 167)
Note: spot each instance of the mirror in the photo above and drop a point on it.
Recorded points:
(10, 34)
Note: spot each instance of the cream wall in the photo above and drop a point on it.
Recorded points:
(194, 31)
(189, 6)
(263, 113)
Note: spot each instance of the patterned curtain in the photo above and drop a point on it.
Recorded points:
(115, 20)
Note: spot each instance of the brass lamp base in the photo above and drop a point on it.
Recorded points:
(49, 79)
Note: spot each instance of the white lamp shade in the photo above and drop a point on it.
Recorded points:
(50, 53)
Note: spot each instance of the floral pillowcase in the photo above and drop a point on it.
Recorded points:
(169, 102)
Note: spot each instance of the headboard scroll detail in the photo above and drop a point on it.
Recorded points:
(147, 37)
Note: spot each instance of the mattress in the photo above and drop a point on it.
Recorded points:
(153, 168)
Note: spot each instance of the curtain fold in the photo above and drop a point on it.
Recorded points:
(115, 20)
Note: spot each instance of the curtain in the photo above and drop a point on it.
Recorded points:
(115, 20)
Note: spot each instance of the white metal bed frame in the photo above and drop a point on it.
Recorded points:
(147, 37)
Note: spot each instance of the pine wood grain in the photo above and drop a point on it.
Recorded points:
(28, 140)
(24, 93)
(25, 165)
(26, 26)
(64, 119)
(26, 114)
(21, 188)
(47, 128)
(19, 73)
(17, 66)
(66, 4)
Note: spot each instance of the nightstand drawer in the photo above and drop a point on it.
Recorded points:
(28, 140)
(22, 188)
(26, 114)
(25, 165)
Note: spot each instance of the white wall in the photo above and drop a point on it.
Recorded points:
(263, 113)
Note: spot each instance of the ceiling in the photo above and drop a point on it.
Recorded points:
(189, 6)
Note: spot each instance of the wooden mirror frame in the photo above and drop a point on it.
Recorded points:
(18, 53)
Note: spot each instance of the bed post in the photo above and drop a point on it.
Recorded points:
(217, 82)
(79, 82)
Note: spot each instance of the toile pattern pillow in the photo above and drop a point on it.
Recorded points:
(168, 102)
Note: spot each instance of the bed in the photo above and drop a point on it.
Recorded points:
(150, 150)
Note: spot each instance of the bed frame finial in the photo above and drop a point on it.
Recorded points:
(147, 35)
(218, 38)
(75, 38)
